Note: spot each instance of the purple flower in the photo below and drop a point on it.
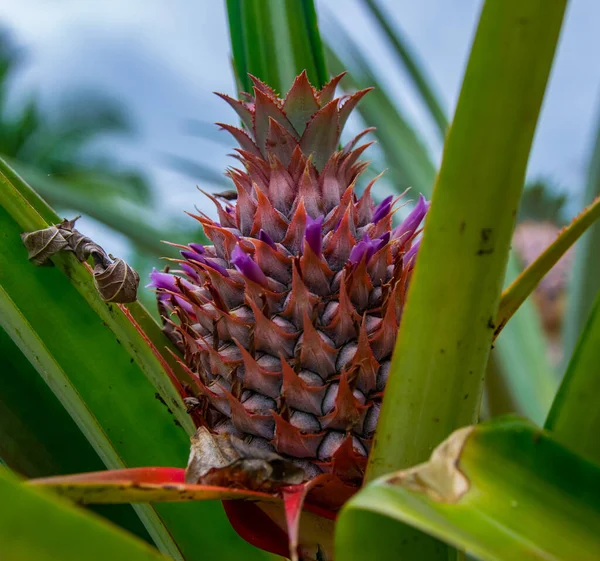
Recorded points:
(409, 226)
(367, 247)
(313, 235)
(211, 263)
(245, 265)
(382, 209)
(198, 248)
(411, 255)
(190, 271)
(165, 281)
(264, 237)
(194, 256)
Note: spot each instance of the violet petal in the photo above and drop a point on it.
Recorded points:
(382, 209)
(313, 234)
(162, 280)
(198, 248)
(184, 304)
(367, 248)
(359, 251)
(264, 237)
(411, 255)
(192, 256)
(409, 226)
(245, 265)
(190, 271)
(215, 266)
(382, 241)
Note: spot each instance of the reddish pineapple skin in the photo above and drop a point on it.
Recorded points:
(287, 322)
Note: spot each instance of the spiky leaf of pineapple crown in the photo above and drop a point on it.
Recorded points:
(288, 321)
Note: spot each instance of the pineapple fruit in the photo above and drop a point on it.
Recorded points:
(287, 322)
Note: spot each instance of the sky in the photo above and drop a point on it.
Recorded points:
(163, 60)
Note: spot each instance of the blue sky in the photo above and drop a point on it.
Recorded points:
(163, 60)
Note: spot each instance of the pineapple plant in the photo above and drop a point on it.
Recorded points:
(281, 324)
(286, 324)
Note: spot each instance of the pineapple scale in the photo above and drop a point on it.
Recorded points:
(288, 321)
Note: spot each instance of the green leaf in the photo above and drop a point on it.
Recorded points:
(275, 40)
(407, 59)
(103, 371)
(444, 340)
(21, 203)
(502, 490)
(34, 308)
(39, 527)
(575, 416)
(33, 447)
(585, 278)
(525, 283)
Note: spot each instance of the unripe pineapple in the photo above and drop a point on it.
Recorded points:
(288, 321)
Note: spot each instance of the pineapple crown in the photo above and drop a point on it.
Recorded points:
(306, 122)
(288, 321)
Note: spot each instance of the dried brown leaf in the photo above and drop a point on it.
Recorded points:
(115, 280)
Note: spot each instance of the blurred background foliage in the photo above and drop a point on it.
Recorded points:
(111, 119)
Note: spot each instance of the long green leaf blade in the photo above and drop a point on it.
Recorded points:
(238, 45)
(39, 527)
(32, 213)
(137, 222)
(114, 372)
(503, 490)
(575, 415)
(33, 447)
(444, 340)
(275, 40)
(34, 348)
